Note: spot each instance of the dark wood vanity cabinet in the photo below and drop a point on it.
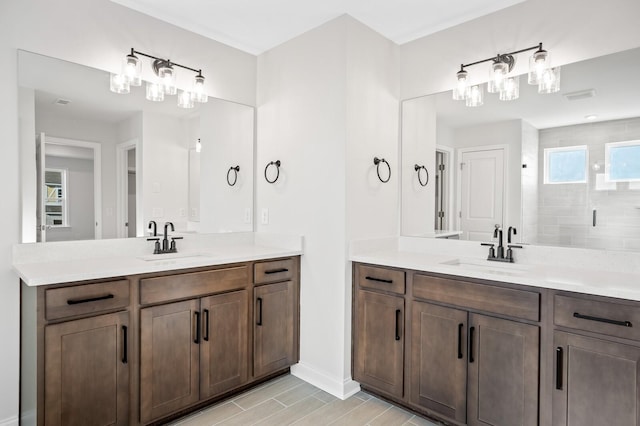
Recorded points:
(596, 361)
(87, 375)
(471, 352)
(142, 349)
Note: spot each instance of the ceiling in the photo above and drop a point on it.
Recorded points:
(255, 26)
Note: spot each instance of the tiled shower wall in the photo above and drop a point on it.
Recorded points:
(565, 211)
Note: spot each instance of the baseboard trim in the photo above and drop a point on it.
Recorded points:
(340, 389)
(11, 421)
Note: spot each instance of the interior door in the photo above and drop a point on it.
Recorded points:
(482, 193)
(41, 231)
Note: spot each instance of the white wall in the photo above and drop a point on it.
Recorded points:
(571, 30)
(165, 174)
(227, 135)
(96, 33)
(418, 147)
(327, 104)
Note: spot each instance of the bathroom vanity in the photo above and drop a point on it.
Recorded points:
(469, 342)
(171, 336)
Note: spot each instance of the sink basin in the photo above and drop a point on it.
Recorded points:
(486, 266)
(187, 256)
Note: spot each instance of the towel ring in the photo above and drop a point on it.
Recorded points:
(418, 168)
(377, 162)
(272, 163)
(235, 169)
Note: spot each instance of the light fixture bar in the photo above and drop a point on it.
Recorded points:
(168, 61)
(501, 56)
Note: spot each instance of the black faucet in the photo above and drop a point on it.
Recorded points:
(154, 225)
(515, 232)
(497, 233)
(165, 240)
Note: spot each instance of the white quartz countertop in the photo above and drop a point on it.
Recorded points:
(105, 264)
(570, 276)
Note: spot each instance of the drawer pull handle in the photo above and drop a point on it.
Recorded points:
(259, 300)
(276, 271)
(460, 327)
(90, 299)
(125, 341)
(607, 320)
(559, 362)
(196, 316)
(205, 318)
(472, 332)
(398, 314)
(380, 280)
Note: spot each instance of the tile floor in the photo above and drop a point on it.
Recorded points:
(288, 400)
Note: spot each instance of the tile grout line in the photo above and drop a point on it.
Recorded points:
(354, 408)
(388, 408)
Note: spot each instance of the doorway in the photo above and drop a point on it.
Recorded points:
(69, 196)
(482, 189)
(128, 181)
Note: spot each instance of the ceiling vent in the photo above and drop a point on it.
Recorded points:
(582, 94)
(62, 102)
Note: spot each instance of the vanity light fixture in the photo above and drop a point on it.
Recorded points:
(198, 146)
(508, 87)
(165, 69)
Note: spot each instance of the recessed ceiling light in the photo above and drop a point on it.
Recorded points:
(591, 117)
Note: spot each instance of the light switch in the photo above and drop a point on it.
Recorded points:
(265, 216)
(155, 187)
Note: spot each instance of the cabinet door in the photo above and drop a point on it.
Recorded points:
(439, 360)
(597, 382)
(379, 341)
(87, 372)
(273, 330)
(169, 348)
(503, 372)
(224, 348)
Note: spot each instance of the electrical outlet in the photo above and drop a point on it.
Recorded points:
(156, 188)
(265, 216)
(183, 212)
(247, 215)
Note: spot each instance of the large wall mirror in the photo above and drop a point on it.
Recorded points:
(562, 168)
(97, 164)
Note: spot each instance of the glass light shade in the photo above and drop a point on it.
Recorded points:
(460, 91)
(475, 96)
(511, 90)
(550, 81)
(199, 93)
(154, 92)
(132, 70)
(198, 146)
(185, 100)
(119, 84)
(538, 64)
(498, 74)
(168, 79)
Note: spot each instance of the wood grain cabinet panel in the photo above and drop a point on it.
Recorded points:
(274, 271)
(87, 372)
(379, 341)
(503, 372)
(439, 360)
(274, 316)
(86, 299)
(224, 344)
(169, 358)
(597, 382)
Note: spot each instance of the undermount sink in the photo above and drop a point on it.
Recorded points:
(486, 266)
(187, 256)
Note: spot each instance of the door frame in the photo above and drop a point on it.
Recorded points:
(97, 175)
(122, 202)
(449, 161)
(505, 180)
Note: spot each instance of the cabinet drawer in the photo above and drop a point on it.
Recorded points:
(86, 299)
(379, 278)
(598, 316)
(273, 271)
(505, 301)
(195, 284)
